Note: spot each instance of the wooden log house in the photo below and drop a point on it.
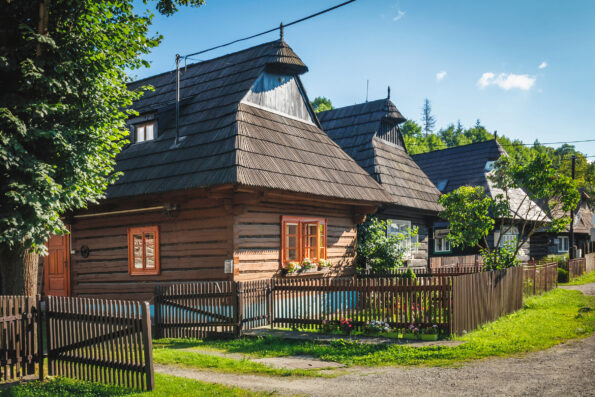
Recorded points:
(249, 183)
(370, 133)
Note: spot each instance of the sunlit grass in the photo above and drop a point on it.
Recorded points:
(584, 279)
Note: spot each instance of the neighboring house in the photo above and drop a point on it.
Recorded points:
(251, 184)
(369, 132)
(543, 243)
(470, 165)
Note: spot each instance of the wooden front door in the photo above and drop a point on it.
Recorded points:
(56, 266)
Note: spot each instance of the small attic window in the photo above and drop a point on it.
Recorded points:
(145, 131)
(489, 166)
(441, 185)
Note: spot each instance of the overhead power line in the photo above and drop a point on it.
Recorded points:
(280, 27)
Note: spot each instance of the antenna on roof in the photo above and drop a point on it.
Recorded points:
(281, 31)
(367, 87)
(388, 96)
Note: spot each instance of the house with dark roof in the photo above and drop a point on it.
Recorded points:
(241, 185)
(470, 165)
(369, 132)
(547, 243)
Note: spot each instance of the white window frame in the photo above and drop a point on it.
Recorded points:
(560, 245)
(512, 234)
(410, 243)
(441, 244)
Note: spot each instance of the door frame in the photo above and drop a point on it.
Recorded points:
(46, 273)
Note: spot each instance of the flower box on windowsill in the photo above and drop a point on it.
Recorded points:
(309, 272)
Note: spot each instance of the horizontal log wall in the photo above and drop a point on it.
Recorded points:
(257, 235)
(194, 243)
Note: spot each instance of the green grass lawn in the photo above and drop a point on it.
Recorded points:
(584, 279)
(544, 321)
(164, 386)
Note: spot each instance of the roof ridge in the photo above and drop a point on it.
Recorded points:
(462, 146)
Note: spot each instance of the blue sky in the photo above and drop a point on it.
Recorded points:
(524, 68)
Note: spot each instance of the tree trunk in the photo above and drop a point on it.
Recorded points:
(18, 267)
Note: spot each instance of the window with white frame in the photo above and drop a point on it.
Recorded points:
(441, 243)
(561, 243)
(510, 236)
(409, 243)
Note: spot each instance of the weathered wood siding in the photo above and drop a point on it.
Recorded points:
(194, 243)
(257, 235)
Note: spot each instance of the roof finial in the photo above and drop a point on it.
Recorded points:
(281, 30)
(388, 97)
(496, 134)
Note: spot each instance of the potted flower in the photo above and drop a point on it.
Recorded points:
(323, 264)
(307, 265)
(430, 333)
(411, 333)
(374, 327)
(293, 267)
(345, 326)
(328, 326)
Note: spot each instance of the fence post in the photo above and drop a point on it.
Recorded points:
(48, 340)
(534, 277)
(157, 316)
(148, 345)
(238, 313)
(39, 318)
(270, 302)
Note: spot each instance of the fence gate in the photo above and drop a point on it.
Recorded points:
(100, 340)
(196, 310)
(19, 337)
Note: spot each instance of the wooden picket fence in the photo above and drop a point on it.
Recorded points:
(196, 310)
(482, 297)
(576, 268)
(539, 278)
(19, 337)
(100, 340)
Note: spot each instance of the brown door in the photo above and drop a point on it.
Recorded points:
(57, 266)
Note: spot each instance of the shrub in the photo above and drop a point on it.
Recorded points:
(329, 326)
(562, 275)
(345, 326)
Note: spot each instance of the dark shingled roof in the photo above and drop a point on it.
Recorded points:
(355, 128)
(228, 142)
(460, 165)
(466, 166)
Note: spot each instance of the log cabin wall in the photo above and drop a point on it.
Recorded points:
(257, 235)
(195, 240)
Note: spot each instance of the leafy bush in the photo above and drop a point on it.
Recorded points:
(329, 326)
(562, 275)
(500, 257)
(376, 248)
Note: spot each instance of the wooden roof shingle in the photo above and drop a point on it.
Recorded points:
(355, 128)
(224, 141)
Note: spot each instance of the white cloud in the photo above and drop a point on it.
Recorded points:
(440, 75)
(542, 65)
(400, 14)
(506, 81)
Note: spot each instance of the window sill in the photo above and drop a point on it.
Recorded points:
(314, 272)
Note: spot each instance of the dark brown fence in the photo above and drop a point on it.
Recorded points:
(19, 337)
(452, 261)
(482, 297)
(399, 302)
(100, 340)
(254, 304)
(539, 278)
(576, 268)
(196, 310)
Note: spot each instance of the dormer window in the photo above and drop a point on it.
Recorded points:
(145, 131)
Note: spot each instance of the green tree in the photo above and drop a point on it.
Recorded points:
(427, 119)
(321, 104)
(377, 249)
(62, 115)
(473, 214)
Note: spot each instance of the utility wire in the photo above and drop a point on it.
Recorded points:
(271, 30)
